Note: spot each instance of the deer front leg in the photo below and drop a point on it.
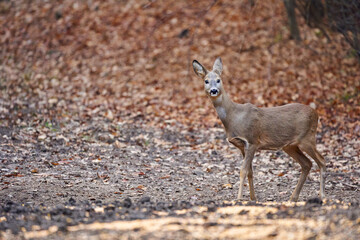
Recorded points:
(250, 177)
(245, 171)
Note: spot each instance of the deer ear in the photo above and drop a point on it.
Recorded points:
(218, 66)
(199, 69)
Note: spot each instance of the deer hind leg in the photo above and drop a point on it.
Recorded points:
(251, 183)
(320, 161)
(305, 164)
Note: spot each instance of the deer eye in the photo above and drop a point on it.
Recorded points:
(206, 82)
(218, 81)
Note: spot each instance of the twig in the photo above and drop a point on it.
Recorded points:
(350, 185)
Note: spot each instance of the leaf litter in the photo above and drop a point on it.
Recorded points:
(98, 102)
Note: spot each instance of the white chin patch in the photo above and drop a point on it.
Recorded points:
(214, 94)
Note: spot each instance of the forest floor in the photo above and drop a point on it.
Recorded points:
(105, 131)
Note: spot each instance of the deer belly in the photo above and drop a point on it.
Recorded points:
(276, 146)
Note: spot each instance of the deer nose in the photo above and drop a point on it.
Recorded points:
(214, 91)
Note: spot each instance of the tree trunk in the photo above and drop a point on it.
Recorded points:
(294, 29)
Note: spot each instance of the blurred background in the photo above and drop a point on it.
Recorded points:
(130, 61)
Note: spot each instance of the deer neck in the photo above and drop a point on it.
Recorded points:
(223, 106)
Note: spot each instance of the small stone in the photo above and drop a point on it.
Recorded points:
(109, 115)
(42, 137)
(227, 186)
(144, 199)
(127, 203)
(312, 105)
(118, 144)
(52, 101)
(72, 201)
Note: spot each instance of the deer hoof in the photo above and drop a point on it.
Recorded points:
(293, 199)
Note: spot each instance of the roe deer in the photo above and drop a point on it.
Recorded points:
(291, 127)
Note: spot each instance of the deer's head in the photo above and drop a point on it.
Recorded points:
(212, 81)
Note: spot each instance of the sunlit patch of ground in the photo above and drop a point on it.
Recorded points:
(241, 220)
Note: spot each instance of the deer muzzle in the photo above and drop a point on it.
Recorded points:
(214, 92)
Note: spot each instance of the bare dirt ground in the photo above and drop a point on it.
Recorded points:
(114, 161)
